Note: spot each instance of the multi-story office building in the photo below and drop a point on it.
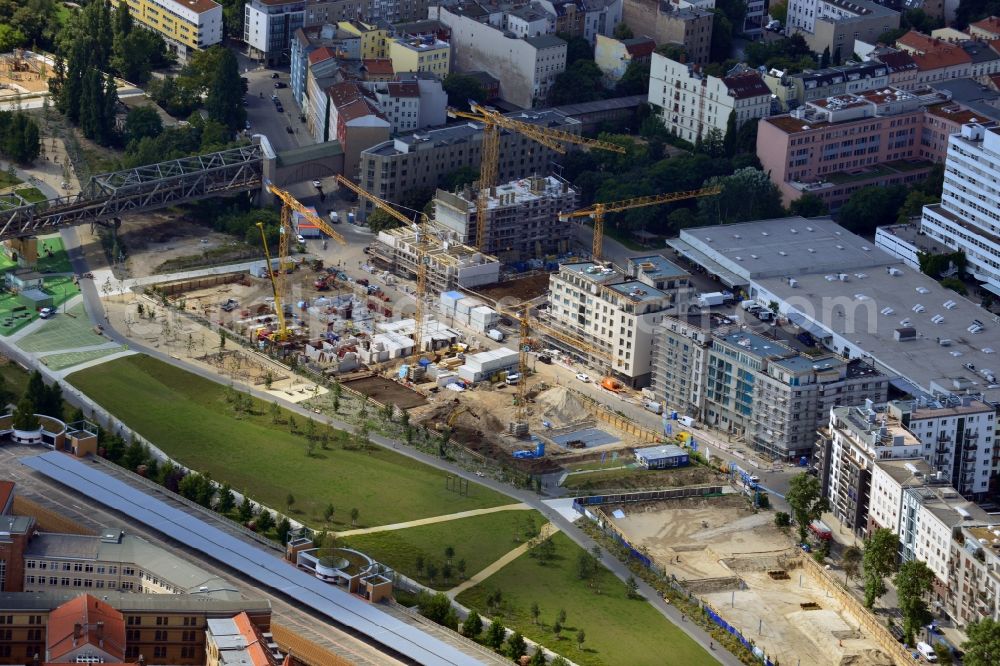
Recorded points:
(794, 90)
(615, 314)
(420, 160)
(833, 146)
(834, 25)
(185, 25)
(957, 433)
(691, 103)
(526, 68)
(667, 23)
(966, 219)
(523, 217)
(268, 27)
(420, 53)
(114, 627)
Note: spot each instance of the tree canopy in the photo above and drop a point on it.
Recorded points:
(805, 497)
(581, 82)
(983, 646)
(881, 558)
(913, 581)
(461, 88)
(224, 102)
(19, 137)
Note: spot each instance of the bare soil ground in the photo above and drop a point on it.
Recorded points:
(523, 289)
(384, 390)
(24, 76)
(723, 539)
(158, 237)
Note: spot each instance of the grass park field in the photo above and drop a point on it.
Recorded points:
(191, 420)
(478, 541)
(618, 630)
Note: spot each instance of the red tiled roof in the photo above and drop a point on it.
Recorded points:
(640, 48)
(745, 85)
(379, 66)
(897, 61)
(359, 108)
(6, 491)
(918, 41)
(321, 54)
(404, 89)
(258, 654)
(101, 626)
(989, 24)
(932, 53)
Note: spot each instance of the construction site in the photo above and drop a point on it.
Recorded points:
(751, 574)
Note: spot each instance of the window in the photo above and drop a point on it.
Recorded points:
(161, 621)
(160, 635)
(160, 651)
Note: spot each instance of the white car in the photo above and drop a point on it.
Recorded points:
(317, 184)
(300, 238)
(45, 313)
(583, 378)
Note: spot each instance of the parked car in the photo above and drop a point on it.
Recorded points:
(275, 75)
(45, 313)
(300, 238)
(288, 128)
(583, 378)
(279, 109)
(280, 84)
(317, 184)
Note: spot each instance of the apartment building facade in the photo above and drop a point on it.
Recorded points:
(794, 90)
(268, 27)
(523, 217)
(691, 103)
(185, 26)
(667, 23)
(393, 168)
(615, 314)
(834, 25)
(834, 146)
(680, 361)
(967, 219)
(526, 68)
(420, 53)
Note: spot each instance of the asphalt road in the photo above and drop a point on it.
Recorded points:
(95, 310)
(264, 117)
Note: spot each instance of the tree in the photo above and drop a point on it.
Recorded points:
(379, 220)
(944, 656)
(535, 612)
(851, 561)
(516, 646)
(805, 497)
(747, 194)
(880, 559)
(538, 657)
(290, 501)
(354, 516)
(622, 31)
(226, 499)
(437, 608)
(10, 37)
(782, 519)
(913, 581)
(581, 82)
(19, 137)
(824, 59)
(473, 625)
(432, 570)
(631, 588)
(328, 512)
(495, 634)
(635, 80)
(559, 661)
(142, 122)
(577, 48)
(721, 45)
(809, 205)
(580, 637)
(983, 646)
(557, 628)
(461, 89)
(449, 552)
(224, 102)
(284, 527)
(586, 565)
(24, 416)
(779, 11)
(460, 567)
(914, 203)
(245, 511)
(870, 207)
(561, 616)
(265, 521)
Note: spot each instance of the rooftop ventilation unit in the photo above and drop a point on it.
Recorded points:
(812, 251)
(764, 233)
(842, 277)
(918, 308)
(861, 276)
(937, 319)
(893, 271)
(923, 290)
(736, 236)
(840, 247)
(793, 231)
(830, 278)
(754, 256)
(944, 342)
(809, 229)
(950, 305)
(905, 322)
(887, 311)
(975, 329)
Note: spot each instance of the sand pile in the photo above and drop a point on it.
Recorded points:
(868, 657)
(560, 407)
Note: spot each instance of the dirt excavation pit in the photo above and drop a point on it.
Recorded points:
(385, 391)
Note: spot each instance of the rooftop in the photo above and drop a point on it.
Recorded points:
(102, 625)
(746, 85)
(545, 42)
(657, 452)
(593, 272)
(16, 524)
(655, 266)
(755, 344)
(134, 602)
(202, 6)
(378, 66)
(638, 292)
(989, 24)
(907, 472)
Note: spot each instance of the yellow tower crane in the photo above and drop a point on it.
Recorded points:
(489, 170)
(289, 204)
(421, 248)
(597, 211)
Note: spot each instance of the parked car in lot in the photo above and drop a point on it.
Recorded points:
(45, 313)
(288, 128)
(280, 84)
(279, 109)
(583, 378)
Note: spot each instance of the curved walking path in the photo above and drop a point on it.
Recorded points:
(520, 506)
(547, 530)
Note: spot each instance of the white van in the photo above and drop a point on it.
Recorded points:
(927, 652)
(513, 379)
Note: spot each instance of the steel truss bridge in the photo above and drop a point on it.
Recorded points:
(108, 196)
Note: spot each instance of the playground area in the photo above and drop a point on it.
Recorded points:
(747, 570)
(23, 73)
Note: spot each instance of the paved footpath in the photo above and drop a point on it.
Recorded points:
(548, 529)
(520, 506)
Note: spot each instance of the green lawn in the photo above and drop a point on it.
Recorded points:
(53, 258)
(30, 194)
(64, 331)
(6, 180)
(69, 359)
(618, 630)
(479, 541)
(190, 419)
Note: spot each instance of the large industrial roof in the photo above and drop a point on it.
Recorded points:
(250, 561)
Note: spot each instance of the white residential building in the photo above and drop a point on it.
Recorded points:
(268, 28)
(835, 24)
(526, 68)
(531, 20)
(692, 103)
(185, 25)
(967, 218)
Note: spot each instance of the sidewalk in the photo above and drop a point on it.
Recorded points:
(520, 506)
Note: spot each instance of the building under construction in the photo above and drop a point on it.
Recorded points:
(523, 219)
(450, 264)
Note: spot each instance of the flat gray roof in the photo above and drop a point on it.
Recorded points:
(787, 246)
(757, 345)
(545, 41)
(728, 277)
(251, 561)
(656, 265)
(665, 451)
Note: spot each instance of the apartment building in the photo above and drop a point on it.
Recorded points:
(941, 59)
(268, 26)
(450, 263)
(114, 627)
(534, 20)
(522, 219)
(836, 24)
(419, 160)
(834, 146)
(973, 590)
(966, 219)
(903, 70)
(330, 12)
(794, 90)
(692, 103)
(616, 314)
(374, 37)
(667, 23)
(355, 121)
(584, 18)
(237, 640)
(613, 56)
(412, 102)
(526, 68)
(420, 53)
(680, 361)
(320, 12)
(985, 29)
(185, 25)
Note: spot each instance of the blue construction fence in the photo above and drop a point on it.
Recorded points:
(716, 618)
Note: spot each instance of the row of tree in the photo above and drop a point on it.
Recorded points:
(19, 137)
